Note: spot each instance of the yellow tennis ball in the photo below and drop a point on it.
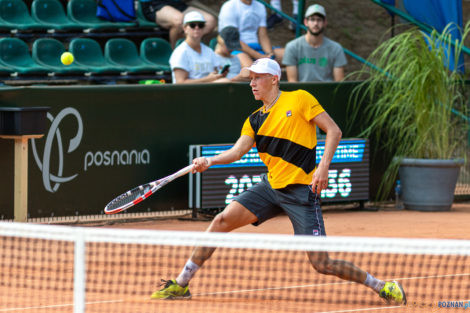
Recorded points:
(66, 58)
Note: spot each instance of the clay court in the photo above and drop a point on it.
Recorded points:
(120, 277)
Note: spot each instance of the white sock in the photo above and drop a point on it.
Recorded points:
(374, 283)
(295, 7)
(187, 273)
(276, 4)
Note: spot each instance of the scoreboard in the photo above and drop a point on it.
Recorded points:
(348, 177)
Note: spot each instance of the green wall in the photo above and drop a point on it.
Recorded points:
(154, 124)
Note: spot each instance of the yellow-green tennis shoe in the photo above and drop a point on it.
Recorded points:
(171, 291)
(393, 292)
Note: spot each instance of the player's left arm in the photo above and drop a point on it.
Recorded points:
(333, 136)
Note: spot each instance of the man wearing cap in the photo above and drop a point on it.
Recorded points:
(192, 61)
(228, 40)
(314, 57)
(283, 130)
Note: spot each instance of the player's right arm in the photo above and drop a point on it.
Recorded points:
(242, 146)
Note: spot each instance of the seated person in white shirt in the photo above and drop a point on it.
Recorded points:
(193, 61)
(249, 17)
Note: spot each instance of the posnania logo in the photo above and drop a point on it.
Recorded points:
(111, 158)
(454, 304)
(100, 158)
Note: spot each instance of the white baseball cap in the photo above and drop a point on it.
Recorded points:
(315, 9)
(265, 66)
(193, 16)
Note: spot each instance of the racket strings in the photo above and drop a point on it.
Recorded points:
(129, 197)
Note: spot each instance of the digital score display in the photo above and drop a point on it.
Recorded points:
(348, 177)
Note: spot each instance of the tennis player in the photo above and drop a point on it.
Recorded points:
(284, 132)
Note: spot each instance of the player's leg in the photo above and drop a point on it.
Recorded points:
(391, 291)
(171, 19)
(304, 210)
(253, 206)
(322, 263)
(233, 216)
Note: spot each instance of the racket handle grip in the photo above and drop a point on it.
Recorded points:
(184, 170)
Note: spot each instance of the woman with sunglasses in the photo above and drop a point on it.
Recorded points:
(192, 61)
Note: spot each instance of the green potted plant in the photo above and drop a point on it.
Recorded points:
(415, 110)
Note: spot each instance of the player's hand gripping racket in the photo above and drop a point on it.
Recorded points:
(138, 194)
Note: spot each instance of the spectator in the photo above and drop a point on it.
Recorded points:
(193, 61)
(169, 15)
(314, 57)
(228, 41)
(275, 18)
(249, 17)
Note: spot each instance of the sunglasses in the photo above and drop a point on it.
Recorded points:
(198, 24)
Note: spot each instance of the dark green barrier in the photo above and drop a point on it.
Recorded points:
(104, 140)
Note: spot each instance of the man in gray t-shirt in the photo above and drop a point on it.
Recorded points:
(314, 57)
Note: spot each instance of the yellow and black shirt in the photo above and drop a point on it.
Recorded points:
(286, 138)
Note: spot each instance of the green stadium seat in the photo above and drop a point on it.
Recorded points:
(213, 43)
(47, 51)
(15, 15)
(156, 51)
(88, 54)
(14, 54)
(5, 70)
(123, 52)
(142, 21)
(51, 14)
(83, 12)
(179, 41)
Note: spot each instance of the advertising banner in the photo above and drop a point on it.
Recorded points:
(103, 140)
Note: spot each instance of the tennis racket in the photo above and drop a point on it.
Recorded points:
(138, 194)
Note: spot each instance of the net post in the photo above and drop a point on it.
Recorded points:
(79, 278)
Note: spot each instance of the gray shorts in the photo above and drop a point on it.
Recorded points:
(297, 201)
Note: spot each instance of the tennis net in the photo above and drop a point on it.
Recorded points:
(47, 268)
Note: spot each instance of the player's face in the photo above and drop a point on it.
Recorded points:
(316, 24)
(261, 85)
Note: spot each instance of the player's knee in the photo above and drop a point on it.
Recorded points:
(220, 223)
(323, 266)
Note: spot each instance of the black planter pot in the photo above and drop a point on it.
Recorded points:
(429, 184)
